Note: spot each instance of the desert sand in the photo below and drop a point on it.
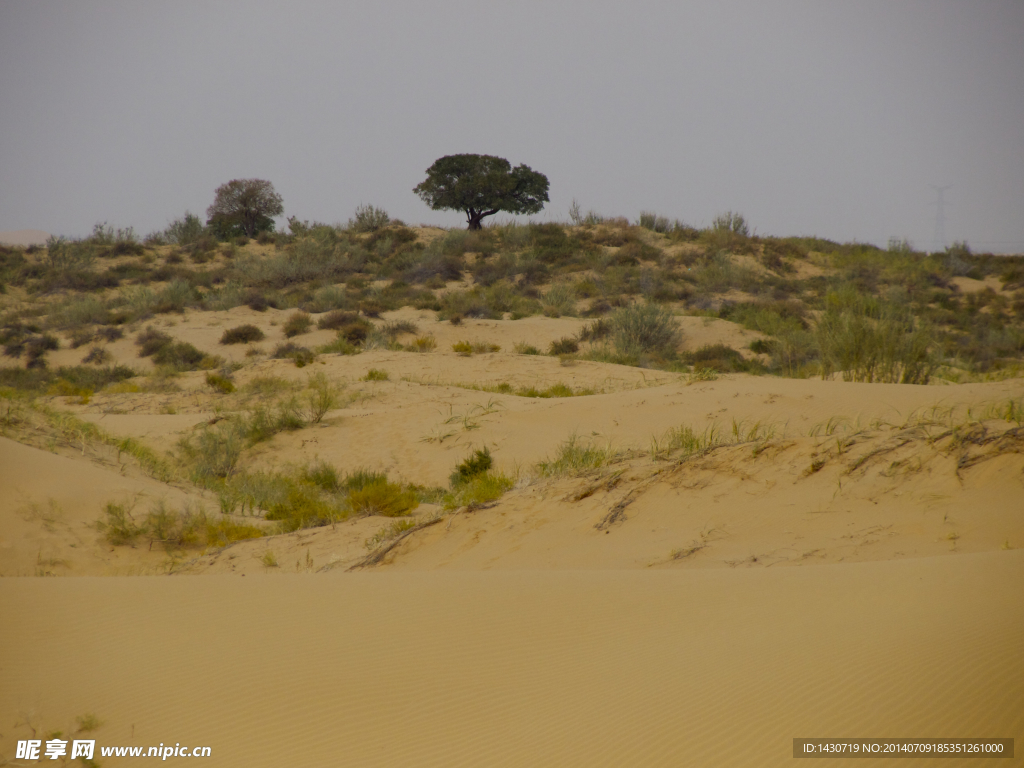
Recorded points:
(847, 564)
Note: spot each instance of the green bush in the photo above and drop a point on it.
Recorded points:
(562, 298)
(720, 358)
(179, 355)
(304, 506)
(188, 528)
(150, 341)
(79, 311)
(379, 496)
(564, 346)
(479, 461)
(174, 296)
(186, 230)
(337, 319)
(645, 329)
(653, 222)
(213, 454)
(340, 346)
(301, 356)
(369, 219)
(321, 396)
(222, 384)
(297, 324)
(481, 488)
(731, 222)
(575, 457)
(870, 341)
(242, 334)
(79, 377)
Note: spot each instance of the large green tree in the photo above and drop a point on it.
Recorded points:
(244, 207)
(482, 185)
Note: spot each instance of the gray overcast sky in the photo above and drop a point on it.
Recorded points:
(824, 118)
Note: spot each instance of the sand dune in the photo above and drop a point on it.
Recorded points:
(844, 564)
(49, 507)
(611, 668)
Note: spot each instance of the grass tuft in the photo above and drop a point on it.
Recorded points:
(575, 457)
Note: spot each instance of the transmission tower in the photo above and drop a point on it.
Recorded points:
(939, 237)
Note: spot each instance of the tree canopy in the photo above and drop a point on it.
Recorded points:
(244, 207)
(482, 185)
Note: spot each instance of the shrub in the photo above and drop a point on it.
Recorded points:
(422, 344)
(174, 296)
(376, 374)
(369, 219)
(522, 348)
(436, 265)
(301, 356)
(98, 356)
(151, 341)
(297, 324)
(80, 377)
(303, 506)
(179, 355)
(481, 488)
(263, 423)
(478, 462)
(870, 342)
(555, 390)
(721, 358)
(213, 454)
(653, 222)
(465, 348)
(186, 230)
(642, 329)
(731, 222)
(562, 298)
(258, 301)
(321, 397)
(111, 333)
(118, 525)
(564, 346)
(172, 529)
(376, 495)
(719, 274)
(222, 384)
(79, 311)
(396, 328)
(595, 331)
(322, 475)
(66, 260)
(575, 457)
(242, 334)
(337, 319)
(340, 346)
(328, 298)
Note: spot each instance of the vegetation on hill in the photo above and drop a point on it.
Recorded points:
(823, 308)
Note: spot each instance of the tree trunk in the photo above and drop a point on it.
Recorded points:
(474, 217)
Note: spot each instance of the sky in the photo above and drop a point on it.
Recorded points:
(829, 118)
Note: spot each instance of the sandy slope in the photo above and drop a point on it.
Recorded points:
(48, 509)
(605, 668)
(546, 629)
